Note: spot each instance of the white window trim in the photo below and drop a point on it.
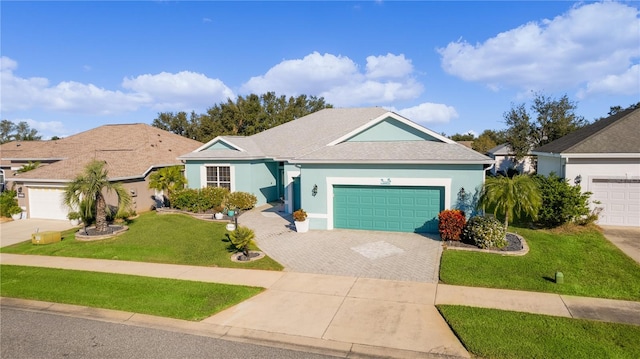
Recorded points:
(203, 174)
(375, 181)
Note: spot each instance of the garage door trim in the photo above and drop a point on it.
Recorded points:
(386, 181)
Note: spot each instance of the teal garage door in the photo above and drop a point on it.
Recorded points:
(379, 208)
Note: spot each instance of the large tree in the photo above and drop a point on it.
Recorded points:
(21, 131)
(87, 191)
(511, 197)
(550, 120)
(488, 139)
(243, 117)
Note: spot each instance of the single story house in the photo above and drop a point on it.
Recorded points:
(131, 153)
(355, 168)
(506, 159)
(604, 159)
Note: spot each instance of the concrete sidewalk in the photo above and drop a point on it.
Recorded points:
(336, 315)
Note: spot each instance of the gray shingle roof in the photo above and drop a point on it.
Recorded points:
(614, 134)
(311, 139)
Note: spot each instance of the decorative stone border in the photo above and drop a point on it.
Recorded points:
(523, 251)
(234, 257)
(201, 216)
(80, 236)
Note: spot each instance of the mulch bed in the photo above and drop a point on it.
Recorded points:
(513, 244)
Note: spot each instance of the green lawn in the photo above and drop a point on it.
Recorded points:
(160, 297)
(167, 238)
(491, 333)
(591, 265)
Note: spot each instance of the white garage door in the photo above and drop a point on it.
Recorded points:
(46, 203)
(620, 200)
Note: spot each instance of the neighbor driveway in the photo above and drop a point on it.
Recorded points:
(625, 238)
(354, 253)
(19, 231)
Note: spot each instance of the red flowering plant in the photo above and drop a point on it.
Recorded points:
(451, 222)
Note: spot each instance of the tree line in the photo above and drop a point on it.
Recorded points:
(548, 120)
(244, 117)
(10, 131)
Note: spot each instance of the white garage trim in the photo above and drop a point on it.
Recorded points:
(377, 181)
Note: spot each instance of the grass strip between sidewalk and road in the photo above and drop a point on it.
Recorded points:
(591, 265)
(154, 238)
(170, 298)
(492, 333)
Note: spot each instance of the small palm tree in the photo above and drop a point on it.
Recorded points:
(168, 180)
(88, 188)
(241, 238)
(511, 197)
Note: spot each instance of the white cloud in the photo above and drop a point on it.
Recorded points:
(429, 113)
(165, 91)
(627, 83)
(391, 66)
(182, 91)
(339, 80)
(588, 44)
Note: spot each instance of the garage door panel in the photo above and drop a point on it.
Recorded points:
(47, 203)
(619, 199)
(408, 209)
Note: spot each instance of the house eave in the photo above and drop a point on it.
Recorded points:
(395, 162)
(588, 155)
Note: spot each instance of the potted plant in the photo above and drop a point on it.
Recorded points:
(15, 211)
(300, 221)
(217, 210)
(74, 218)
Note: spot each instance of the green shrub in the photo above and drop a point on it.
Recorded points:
(212, 197)
(561, 202)
(485, 232)
(184, 199)
(451, 222)
(240, 201)
(8, 203)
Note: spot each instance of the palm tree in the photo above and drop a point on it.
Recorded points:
(518, 195)
(168, 180)
(89, 188)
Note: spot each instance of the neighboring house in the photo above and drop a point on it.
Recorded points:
(604, 158)
(506, 159)
(130, 151)
(358, 168)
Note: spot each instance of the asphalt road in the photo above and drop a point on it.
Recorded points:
(27, 334)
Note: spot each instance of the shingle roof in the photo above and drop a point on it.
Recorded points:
(614, 134)
(130, 150)
(315, 138)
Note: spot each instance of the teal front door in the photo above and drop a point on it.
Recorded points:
(387, 208)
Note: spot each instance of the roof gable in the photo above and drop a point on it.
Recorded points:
(390, 129)
(400, 129)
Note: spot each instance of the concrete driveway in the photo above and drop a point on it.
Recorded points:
(19, 231)
(625, 238)
(354, 253)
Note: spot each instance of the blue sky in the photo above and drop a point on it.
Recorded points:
(451, 66)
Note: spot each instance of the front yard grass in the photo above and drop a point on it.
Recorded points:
(591, 265)
(492, 333)
(155, 296)
(167, 238)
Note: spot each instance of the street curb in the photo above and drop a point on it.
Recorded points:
(257, 337)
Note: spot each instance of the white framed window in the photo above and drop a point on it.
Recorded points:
(217, 176)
